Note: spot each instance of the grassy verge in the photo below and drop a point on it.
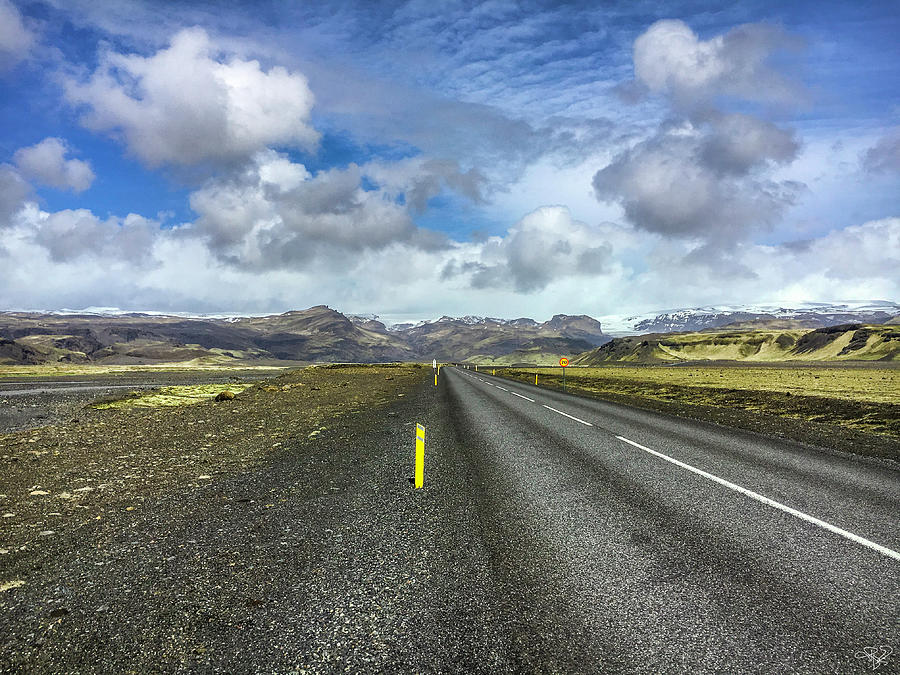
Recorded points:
(850, 409)
(62, 477)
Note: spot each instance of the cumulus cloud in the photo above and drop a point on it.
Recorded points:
(46, 162)
(69, 235)
(670, 58)
(690, 180)
(737, 144)
(884, 156)
(875, 257)
(544, 246)
(15, 39)
(419, 179)
(706, 173)
(275, 214)
(14, 191)
(188, 104)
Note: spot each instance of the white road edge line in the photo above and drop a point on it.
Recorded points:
(568, 415)
(890, 553)
(520, 396)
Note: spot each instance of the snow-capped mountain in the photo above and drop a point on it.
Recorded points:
(814, 315)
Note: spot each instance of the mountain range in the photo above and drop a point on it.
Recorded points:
(312, 335)
(804, 315)
(321, 334)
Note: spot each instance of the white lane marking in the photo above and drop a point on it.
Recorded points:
(503, 388)
(771, 502)
(568, 415)
(520, 396)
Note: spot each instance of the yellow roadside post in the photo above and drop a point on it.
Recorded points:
(493, 371)
(535, 379)
(476, 367)
(420, 456)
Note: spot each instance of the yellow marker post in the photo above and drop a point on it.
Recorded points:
(535, 379)
(476, 367)
(420, 456)
(493, 371)
(435, 378)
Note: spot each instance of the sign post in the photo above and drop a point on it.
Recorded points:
(564, 362)
(420, 456)
(435, 368)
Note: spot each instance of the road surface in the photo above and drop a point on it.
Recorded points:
(553, 534)
(624, 558)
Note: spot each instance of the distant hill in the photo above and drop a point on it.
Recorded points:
(504, 341)
(833, 343)
(809, 315)
(315, 334)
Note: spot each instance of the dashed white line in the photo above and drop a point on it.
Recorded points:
(568, 415)
(770, 502)
(520, 396)
(502, 388)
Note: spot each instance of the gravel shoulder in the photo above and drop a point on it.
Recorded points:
(277, 532)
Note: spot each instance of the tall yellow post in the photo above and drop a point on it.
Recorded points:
(420, 456)
(435, 378)
(476, 367)
(535, 379)
(493, 371)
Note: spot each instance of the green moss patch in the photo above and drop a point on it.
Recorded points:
(168, 397)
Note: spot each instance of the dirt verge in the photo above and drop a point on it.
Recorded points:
(66, 476)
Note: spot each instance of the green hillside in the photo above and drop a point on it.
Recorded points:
(849, 342)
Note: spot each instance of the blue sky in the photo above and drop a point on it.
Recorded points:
(410, 160)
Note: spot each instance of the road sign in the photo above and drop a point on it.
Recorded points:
(434, 363)
(564, 362)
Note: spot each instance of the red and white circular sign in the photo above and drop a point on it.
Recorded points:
(564, 362)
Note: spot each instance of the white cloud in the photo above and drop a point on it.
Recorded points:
(15, 39)
(707, 174)
(46, 162)
(419, 179)
(544, 246)
(548, 263)
(701, 180)
(275, 214)
(188, 105)
(670, 58)
(78, 234)
(13, 193)
(865, 255)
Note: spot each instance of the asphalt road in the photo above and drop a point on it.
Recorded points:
(642, 564)
(542, 542)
